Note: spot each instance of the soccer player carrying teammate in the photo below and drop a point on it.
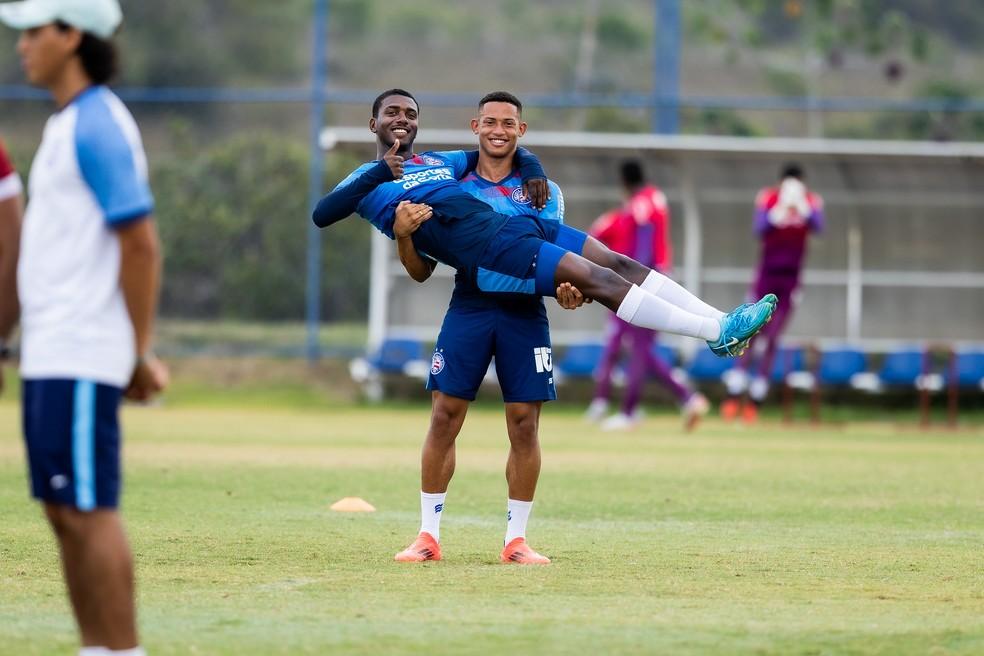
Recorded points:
(516, 254)
(88, 280)
(785, 216)
(641, 230)
(11, 204)
(476, 328)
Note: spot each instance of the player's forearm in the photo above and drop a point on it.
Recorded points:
(140, 273)
(419, 268)
(528, 164)
(343, 201)
(10, 222)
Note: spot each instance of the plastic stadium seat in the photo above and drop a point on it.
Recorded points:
(838, 366)
(902, 368)
(399, 356)
(394, 355)
(708, 367)
(580, 360)
(970, 369)
(788, 360)
(666, 354)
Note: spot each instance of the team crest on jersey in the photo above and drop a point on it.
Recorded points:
(437, 363)
(432, 161)
(519, 196)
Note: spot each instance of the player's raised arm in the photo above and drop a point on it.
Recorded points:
(534, 178)
(409, 217)
(345, 198)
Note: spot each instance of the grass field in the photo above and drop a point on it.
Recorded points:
(859, 539)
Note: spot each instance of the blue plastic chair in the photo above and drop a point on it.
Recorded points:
(708, 367)
(666, 354)
(839, 365)
(970, 369)
(787, 360)
(394, 354)
(580, 360)
(902, 368)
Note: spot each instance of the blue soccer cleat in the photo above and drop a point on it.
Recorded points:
(741, 324)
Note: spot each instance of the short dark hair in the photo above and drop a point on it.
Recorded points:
(791, 170)
(632, 173)
(378, 102)
(100, 59)
(501, 96)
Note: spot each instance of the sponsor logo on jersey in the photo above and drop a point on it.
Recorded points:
(411, 180)
(519, 196)
(437, 363)
(543, 358)
(432, 161)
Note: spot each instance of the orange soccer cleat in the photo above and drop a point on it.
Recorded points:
(520, 553)
(425, 547)
(730, 409)
(750, 413)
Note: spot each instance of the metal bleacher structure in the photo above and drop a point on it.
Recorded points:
(899, 270)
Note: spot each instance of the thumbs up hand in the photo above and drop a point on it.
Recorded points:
(394, 161)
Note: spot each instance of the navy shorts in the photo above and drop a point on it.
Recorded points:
(516, 335)
(523, 256)
(72, 432)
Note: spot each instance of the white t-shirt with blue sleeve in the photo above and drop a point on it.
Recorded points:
(88, 178)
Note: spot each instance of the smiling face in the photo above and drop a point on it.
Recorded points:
(396, 119)
(499, 127)
(46, 51)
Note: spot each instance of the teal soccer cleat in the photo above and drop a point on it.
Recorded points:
(741, 324)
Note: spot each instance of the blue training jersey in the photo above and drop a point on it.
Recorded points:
(458, 232)
(505, 197)
(462, 225)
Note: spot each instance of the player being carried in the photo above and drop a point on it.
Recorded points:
(517, 254)
(478, 327)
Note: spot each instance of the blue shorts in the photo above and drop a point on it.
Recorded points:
(72, 432)
(523, 256)
(517, 335)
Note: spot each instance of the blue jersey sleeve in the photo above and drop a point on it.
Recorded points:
(554, 210)
(345, 198)
(108, 163)
(462, 161)
(529, 165)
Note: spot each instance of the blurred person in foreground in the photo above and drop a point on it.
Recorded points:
(88, 280)
(641, 230)
(11, 209)
(785, 216)
(477, 328)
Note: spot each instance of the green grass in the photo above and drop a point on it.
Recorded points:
(860, 539)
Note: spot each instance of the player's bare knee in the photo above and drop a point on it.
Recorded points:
(446, 420)
(65, 520)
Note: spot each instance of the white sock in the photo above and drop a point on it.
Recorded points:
(640, 308)
(667, 289)
(431, 508)
(516, 517)
(133, 651)
(93, 651)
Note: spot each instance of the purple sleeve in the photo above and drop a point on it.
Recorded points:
(762, 224)
(817, 220)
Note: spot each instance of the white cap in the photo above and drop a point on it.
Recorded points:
(97, 17)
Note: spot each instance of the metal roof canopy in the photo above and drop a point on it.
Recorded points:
(330, 137)
(853, 278)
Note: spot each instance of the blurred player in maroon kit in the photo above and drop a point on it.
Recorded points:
(785, 215)
(11, 209)
(641, 230)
